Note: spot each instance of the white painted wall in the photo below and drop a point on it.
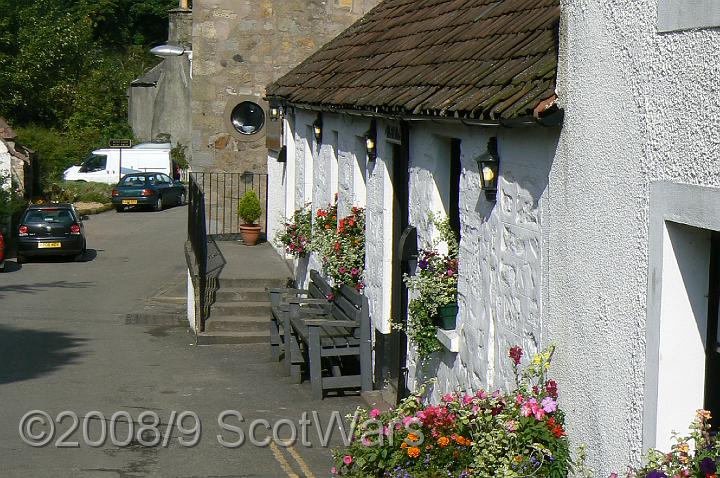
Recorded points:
(641, 107)
(5, 164)
(500, 284)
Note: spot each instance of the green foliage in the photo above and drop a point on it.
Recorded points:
(296, 235)
(341, 245)
(433, 285)
(65, 68)
(177, 154)
(72, 191)
(249, 207)
(11, 201)
(509, 434)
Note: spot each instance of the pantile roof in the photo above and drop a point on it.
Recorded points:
(484, 59)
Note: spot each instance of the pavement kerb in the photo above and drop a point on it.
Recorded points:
(94, 210)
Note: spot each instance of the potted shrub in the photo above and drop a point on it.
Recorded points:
(249, 211)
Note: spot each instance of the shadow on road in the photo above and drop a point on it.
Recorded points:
(41, 286)
(26, 354)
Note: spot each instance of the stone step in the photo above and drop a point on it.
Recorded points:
(241, 294)
(226, 283)
(238, 324)
(241, 309)
(220, 338)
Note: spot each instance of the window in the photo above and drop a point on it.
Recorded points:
(455, 172)
(247, 118)
(95, 162)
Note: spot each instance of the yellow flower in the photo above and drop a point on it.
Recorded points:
(537, 360)
(413, 452)
(403, 445)
(683, 448)
(443, 441)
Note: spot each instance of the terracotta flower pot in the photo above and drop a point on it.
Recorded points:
(250, 233)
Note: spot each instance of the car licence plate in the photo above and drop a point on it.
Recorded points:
(129, 201)
(49, 245)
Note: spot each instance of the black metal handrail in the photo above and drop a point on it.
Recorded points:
(197, 235)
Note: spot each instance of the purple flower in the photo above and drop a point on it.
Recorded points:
(549, 405)
(423, 264)
(708, 466)
(656, 474)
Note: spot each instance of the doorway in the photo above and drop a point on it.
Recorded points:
(712, 348)
(391, 349)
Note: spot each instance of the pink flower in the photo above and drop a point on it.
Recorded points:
(548, 404)
(450, 273)
(342, 269)
(333, 470)
(347, 459)
(366, 441)
(354, 271)
(374, 413)
(613, 475)
(468, 399)
(516, 354)
(539, 413)
(526, 410)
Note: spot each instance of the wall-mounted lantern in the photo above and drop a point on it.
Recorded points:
(317, 128)
(489, 166)
(371, 141)
(276, 109)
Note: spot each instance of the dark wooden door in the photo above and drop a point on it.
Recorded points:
(712, 349)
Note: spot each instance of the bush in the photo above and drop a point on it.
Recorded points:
(296, 235)
(482, 435)
(433, 285)
(249, 207)
(341, 245)
(72, 191)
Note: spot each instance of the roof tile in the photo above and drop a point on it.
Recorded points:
(471, 58)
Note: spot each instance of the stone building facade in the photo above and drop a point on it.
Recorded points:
(233, 50)
(238, 48)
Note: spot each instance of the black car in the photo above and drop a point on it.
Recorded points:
(147, 189)
(51, 230)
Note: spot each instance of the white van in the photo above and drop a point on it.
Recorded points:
(104, 165)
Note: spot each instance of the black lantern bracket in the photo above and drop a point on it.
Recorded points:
(489, 168)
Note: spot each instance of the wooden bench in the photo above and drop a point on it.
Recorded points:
(337, 339)
(316, 295)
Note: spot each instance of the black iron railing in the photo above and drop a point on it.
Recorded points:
(222, 192)
(197, 235)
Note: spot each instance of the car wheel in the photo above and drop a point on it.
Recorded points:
(120, 208)
(181, 199)
(158, 204)
(80, 257)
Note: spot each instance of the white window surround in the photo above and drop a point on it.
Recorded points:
(687, 14)
(688, 205)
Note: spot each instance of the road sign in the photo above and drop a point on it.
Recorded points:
(121, 143)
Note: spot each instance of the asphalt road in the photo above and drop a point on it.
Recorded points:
(67, 345)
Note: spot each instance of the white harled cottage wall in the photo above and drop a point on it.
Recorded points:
(501, 260)
(641, 108)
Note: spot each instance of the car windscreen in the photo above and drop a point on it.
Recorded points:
(134, 180)
(49, 215)
(94, 162)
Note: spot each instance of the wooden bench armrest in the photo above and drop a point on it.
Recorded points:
(330, 323)
(285, 290)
